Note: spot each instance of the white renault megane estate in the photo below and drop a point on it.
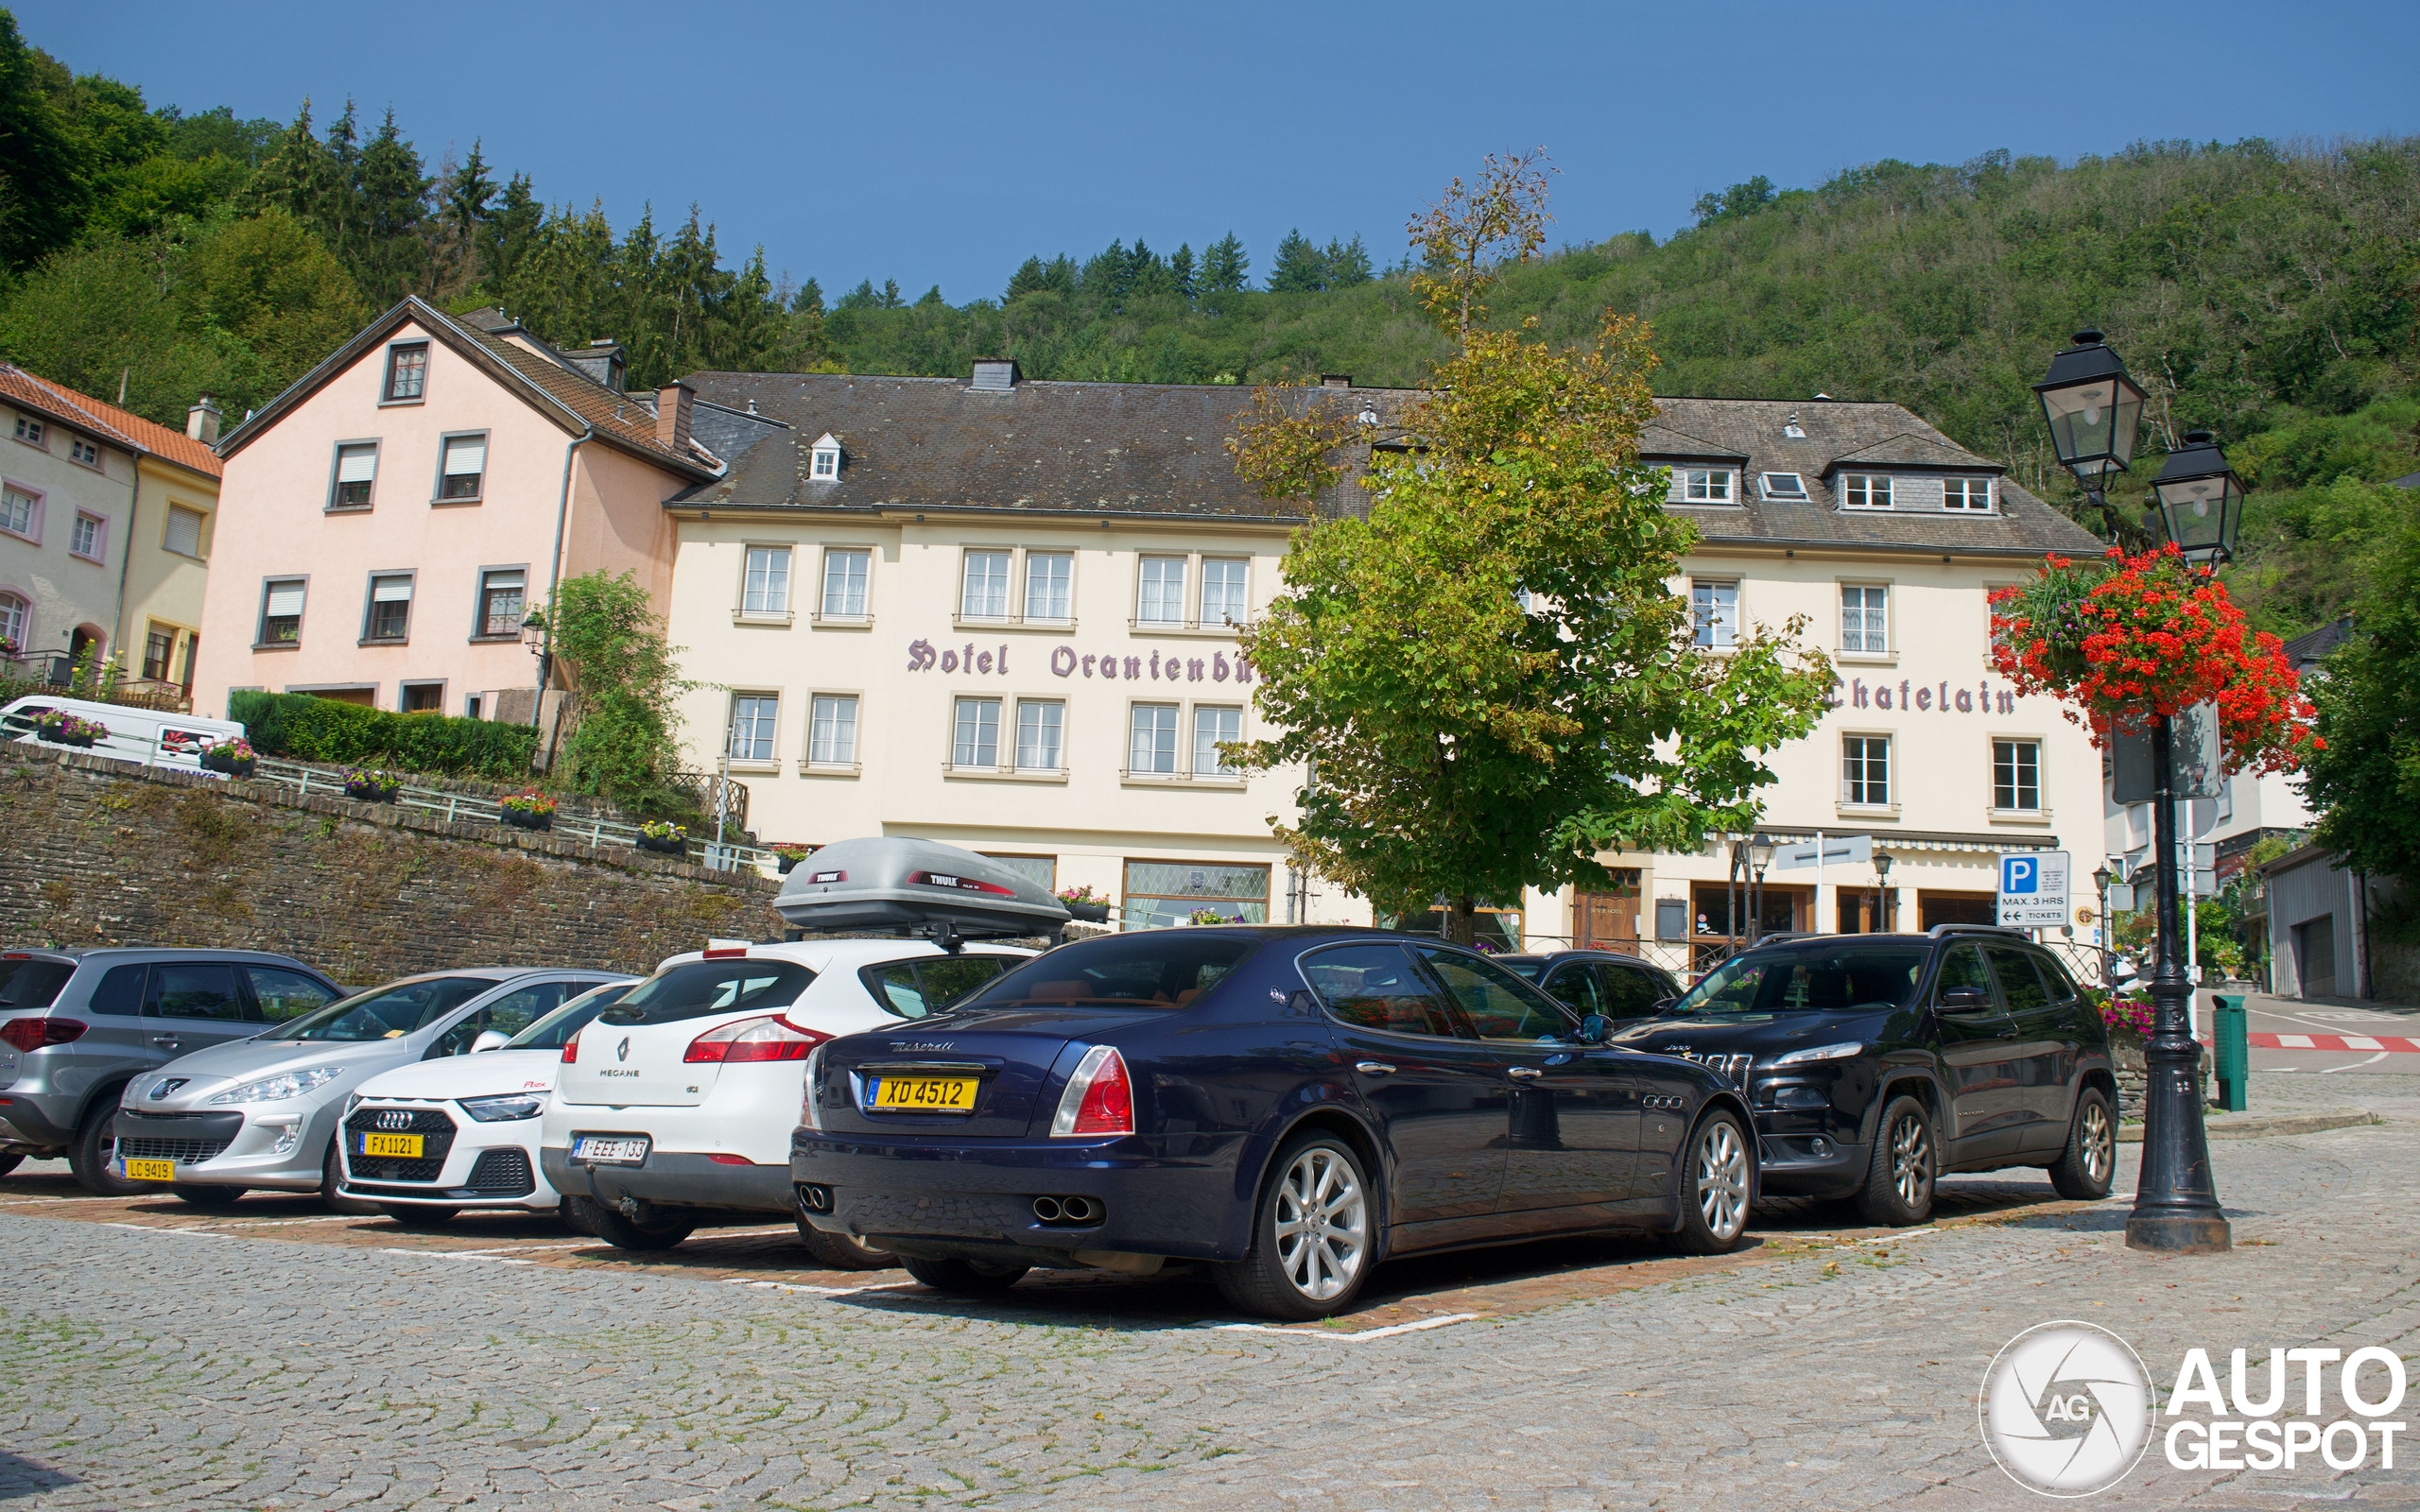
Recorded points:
(681, 1098)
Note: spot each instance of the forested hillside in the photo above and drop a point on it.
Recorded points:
(2268, 292)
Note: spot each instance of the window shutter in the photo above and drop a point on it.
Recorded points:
(504, 581)
(466, 455)
(356, 464)
(184, 534)
(285, 600)
(392, 591)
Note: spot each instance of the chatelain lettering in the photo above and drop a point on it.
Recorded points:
(1983, 699)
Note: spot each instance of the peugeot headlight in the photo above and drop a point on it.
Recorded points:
(502, 1110)
(277, 1089)
(1839, 1052)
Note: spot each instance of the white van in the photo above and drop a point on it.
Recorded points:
(151, 737)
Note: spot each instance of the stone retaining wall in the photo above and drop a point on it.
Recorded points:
(102, 852)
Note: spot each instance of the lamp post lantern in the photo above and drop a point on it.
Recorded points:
(1760, 855)
(1882, 909)
(2101, 880)
(539, 637)
(2094, 410)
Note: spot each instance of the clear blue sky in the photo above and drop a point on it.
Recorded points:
(944, 142)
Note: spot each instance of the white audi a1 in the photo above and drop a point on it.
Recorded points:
(429, 1140)
(679, 1099)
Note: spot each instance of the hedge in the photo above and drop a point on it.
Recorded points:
(322, 730)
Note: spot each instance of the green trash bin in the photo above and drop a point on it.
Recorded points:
(2234, 1054)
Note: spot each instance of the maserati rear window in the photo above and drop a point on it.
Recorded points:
(697, 989)
(1162, 968)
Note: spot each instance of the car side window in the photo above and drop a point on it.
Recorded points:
(281, 995)
(2019, 983)
(1498, 1005)
(914, 989)
(1575, 987)
(196, 991)
(1630, 991)
(1376, 986)
(2055, 977)
(1962, 969)
(120, 990)
(508, 1015)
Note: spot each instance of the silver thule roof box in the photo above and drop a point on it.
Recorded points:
(917, 886)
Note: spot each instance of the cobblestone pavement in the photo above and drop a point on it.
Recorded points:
(148, 1364)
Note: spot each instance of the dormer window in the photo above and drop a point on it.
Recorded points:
(1865, 491)
(1705, 485)
(1966, 493)
(824, 466)
(1785, 486)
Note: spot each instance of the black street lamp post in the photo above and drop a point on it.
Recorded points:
(2101, 880)
(1760, 855)
(2093, 409)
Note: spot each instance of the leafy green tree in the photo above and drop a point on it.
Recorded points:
(1298, 268)
(1224, 266)
(1490, 679)
(270, 284)
(94, 316)
(42, 161)
(624, 686)
(2366, 779)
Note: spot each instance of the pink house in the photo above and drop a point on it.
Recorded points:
(387, 523)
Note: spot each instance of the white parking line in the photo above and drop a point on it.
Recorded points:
(458, 1254)
(1422, 1326)
(164, 1228)
(2372, 1061)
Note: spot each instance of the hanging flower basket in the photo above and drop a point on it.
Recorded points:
(530, 810)
(235, 758)
(2143, 637)
(63, 728)
(662, 838)
(371, 786)
(1082, 903)
(787, 857)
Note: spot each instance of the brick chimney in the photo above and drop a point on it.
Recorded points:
(672, 403)
(202, 422)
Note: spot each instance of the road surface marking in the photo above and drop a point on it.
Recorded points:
(2381, 1044)
(2374, 1059)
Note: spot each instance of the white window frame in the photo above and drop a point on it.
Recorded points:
(1186, 771)
(965, 749)
(1242, 616)
(756, 599)
(16, 624)
(35, 500)
(820, 759)
(1144, 562)
(1714, 634)
(86, 453)
(1705, 485)
(1865, 491)
(823, 459)
(1966, 487)
(1775, 495)
(33, 432)
(1024, 584)
(1865, 652)
(1848, 799)
(1042, 707)
(1215, 769)
(760, 722)
(99, 554)
(1007, 558)
(2040, 808)
(824, 614)
(1191, 619)
(387, 394)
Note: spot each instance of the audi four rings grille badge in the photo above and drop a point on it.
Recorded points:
(395, 1118)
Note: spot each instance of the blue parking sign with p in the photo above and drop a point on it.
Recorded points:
(2020, 874)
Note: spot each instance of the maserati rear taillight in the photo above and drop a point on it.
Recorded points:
(1099, 1098)
(33, 1034)
(771, 1038)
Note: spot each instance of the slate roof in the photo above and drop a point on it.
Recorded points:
(1045, 447)
(1042, 447)
(105, 422)
(2307, 650)
(569, 397)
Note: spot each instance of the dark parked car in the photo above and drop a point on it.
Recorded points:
(1876, 1063)
(1289, 1106)
(1621, 987)
(80, 1024)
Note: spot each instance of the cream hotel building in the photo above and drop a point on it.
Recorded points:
(1002, 613)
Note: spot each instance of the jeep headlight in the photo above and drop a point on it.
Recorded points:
(277, 1089)
(1814, 1052)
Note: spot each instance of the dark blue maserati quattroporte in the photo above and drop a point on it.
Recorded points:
(1289, 1106)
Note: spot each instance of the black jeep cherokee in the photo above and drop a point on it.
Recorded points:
(1876, 1063)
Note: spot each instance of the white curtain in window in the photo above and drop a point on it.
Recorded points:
(1162, 595)
(1213, 728)
(977, 741)
(1153, 746)
(1225, 590)
(844, 583)
(987, 586)
(834, 740)
(1040, 727)
(768, 580)
(1049, 585)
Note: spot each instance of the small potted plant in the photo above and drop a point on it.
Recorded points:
(1082, 902)
(787, 857)
(530, 810)
(1205, 916)
(235, 758)
(61, 728)
(665, 836)
(369, 786)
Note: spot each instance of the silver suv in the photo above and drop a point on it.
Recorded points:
(76, 1025)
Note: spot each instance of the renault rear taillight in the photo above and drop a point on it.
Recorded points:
(771, 1038)
(30, 1034)
(1099, 1098)
(571, 1049)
